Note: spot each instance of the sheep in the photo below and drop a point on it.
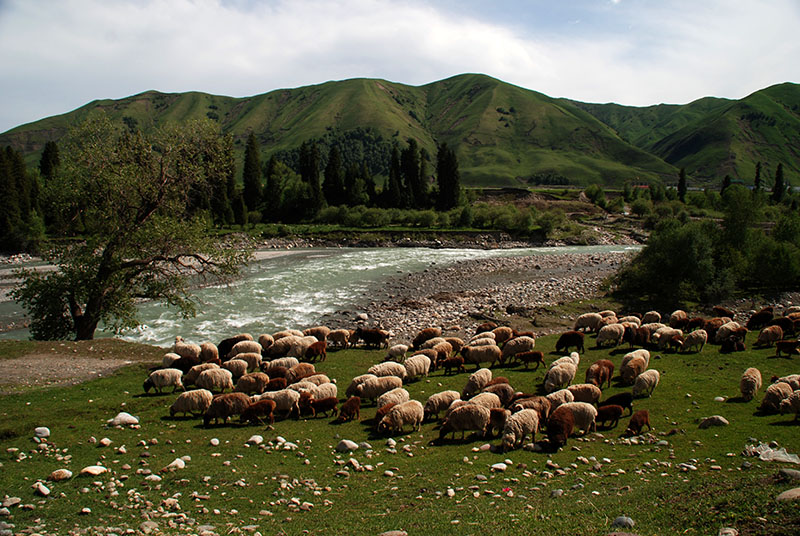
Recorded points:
(786, 324)
(644, 354)
(237, 367)
(712, 326)
(286, 362)
(424, 335)
(695, 323)
(382, 412)
(226, 345)
(487, 400)
(518, 426)
(557, 398)
(355, 382)
(791, 404)
(600, 372)
(678, 319)
(483, 335)
(484, 341)
(651, 317)
(769, 335)
(410, 412)
(476, 382)
(646, 382)
(373, 388)
(559, 377)
(539, 403)
(696, 338)
(287, 333)
(253, 383)
(195, 401)
(585, 415)
(559, 426)
(637, 422)
(388, 368)
(502, 334)
(317, 379)
(481, 354)
(215, 379)
(301, 346)
(486, 327)
(430, 343)
(397, 353)
(430, 353)
(663, 336)
(608, 320)
(612, 333)
(265, 340)
(631, 369)
(585, 392)
(792, 379)
(209, 352)
(318, 405)
(320, 332)
(732, 344)
(526, 358)
(630, 319)
(398, 396)
(466, 418)
(258, 411)
(339, 338)
(416, 367)
(303, 387)
(516, 346)
(443, 350)
(773, 396)
(726, 330)
(456, 343)
(609, 412)
(624, 400)
(282, 346)
(326, 390)
(565, 360)
(241, 347)
(636, 336)
(607, 313)
(300, 371)
(168, 359)
(760, 319)
(439, 402)
(253, 360)
(455, 362)
(316, 350)
(286, 401)
(276, 384)
(185, 349)
(719, 310)
(569, 339)
(588, 322)
(750, 383)
(503, 391)
(224, 406)
(350, 410)
(161, 378)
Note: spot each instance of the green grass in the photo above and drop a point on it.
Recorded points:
(652, 490)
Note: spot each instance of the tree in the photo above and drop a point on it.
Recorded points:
(779, 189)
(251, 174)
(308, 164)
(726, 182)
(49, 162)
(448, 178)
(333, 188)
(757, 179)
(682, 185)
(138, 240)
(410, 168)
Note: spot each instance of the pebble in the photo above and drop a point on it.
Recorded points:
(104, 442)
(623, 521)
(93, 470)
(148, 527)
(60, 474)
(557, 493)
(255, 440)
(214, 442)
(714, 420)
(85, 511)
(719, 399)
(4, 512)
(42, 432)
(123, 419)
(499, 467)
(41, 489)
(789, 474)
(789, 495)
(728, 531)
(394, 533)
(345, 445)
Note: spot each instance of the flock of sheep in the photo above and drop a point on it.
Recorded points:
(275, 375)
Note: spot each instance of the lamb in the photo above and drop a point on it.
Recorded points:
(750, 383)
(287, 362)
(611, 333)
(533, 356)
(417, 366)
(195, 401)
(584, 414)
(209, 352)
(696, 338)
(226, 345)
(719, 310)
(773, 396)
(320, 332)
(253, 360)
(663, 336)
(439, 402)
(266, 341)
(162, 378)
(588, 322)
(407, 413)
(559, 377)
(456, 362)
(518, 426)
(424, 335)
(585, 392)
(646, 382)
(466, 418)
(185, 349)
(769, 335)
(624, 400)
(382, 412)
(651, 317)
(373, 388)
(632, 368)
(443, 350)
(791, 404)
(559, 426)
(539, 403)
(569, 339)
(355, 382)
(388, 368)
(316, 350)
(318, 405)
(397, 353)
(258, 411)
(286, 400)
(476, 382)
(502, 334)
(637, 422)
(224, 406)
(557, 398)
(503, 391)
(600, 372)
(486, 327)
(303, 386)
(516, 346)
(339, 338)
(300, 371)
(350, 410)
(253, 383)
(215, 379)
(237, 367)
(397, 396)
(609, 412)
(644, 354)
(241, 347)
(168, 359)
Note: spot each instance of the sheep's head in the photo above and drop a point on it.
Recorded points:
(147, 385)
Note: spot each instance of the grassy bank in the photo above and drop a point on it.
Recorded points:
(232, 486)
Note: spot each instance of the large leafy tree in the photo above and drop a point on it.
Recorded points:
(139, 238)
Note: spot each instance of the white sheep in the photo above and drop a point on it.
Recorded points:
(466, 418)
(559, 377)
(585, 392)
(588, 322)
(281, 346)
(388, 368)
(397, 353)
(168, 359)
(373, 388)
(320, 332)
(541, 404)
(725, 331)
(339, 338)
(317, 379)
(195, 401)
(696, 338)
(326, 390)
(482, 335)
(791, 404)
(242, 347)
(190, 378)
(410, 412)
(516, 346)
(632, 368)
(209, 352)
(486, 400)
(286, 400)
(607, 312)
(287, 362)
(417, 366)
(611, 333)
(631, 320)
(677, 318)
(567, 359)
(519, 425)
(646, 382)
(303, 386)
(185, 349)
(584, 414)
(159, 379)
(287, 333)
(772, 397)
(253, 383)
(557, 398)
(481, 354)
(750, 383)
(300, 346)
(485, 341)
(476, 382)
(265, 340)
(644, 354)
(652, 327)
(430, 343)
(237, 367)
(215, 379)
(664, 335)
(355, 382)
(792, 379)
(439, 402)
(395, 396)
(651, 317)
(253, 360)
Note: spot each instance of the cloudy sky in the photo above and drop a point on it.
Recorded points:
(56, 55)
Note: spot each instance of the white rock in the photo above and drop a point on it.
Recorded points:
(153, 478)
(60, 474)
(93, 470)
(499, 467)
(255, 440)
(175, 465)
(123, 419)
(41, 489)
(345, 445)
(41, 432)
(624, 522)
(214, 442)
(104, 442)
(714, 420)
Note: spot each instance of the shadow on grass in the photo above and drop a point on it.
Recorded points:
(794, 422)
(737, 400)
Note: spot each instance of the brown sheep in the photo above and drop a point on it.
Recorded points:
(760, 319)
(226, 345)
(637, 422)
(769, 335)
(559, 426)
(609, 412)
(323, 405)
(502, 334)
(600, 372)
(257, 412)
(636, 336)
(486, 326)
(451, 363)
(424, 335)
(723, 311)
(317, 349)
(569, 339)
(224, 406)
(789, 347)
(350, 410)
(532, 356)
(276, 384)
(712, 326)
(375, 338)
(382, 412)
(624, 400)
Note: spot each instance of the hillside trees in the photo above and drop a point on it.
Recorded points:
(21, 225)
(141, 236)
(251, 174)
(448, 178)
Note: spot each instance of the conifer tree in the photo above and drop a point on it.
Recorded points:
(410, 168)
(333, 187)
(393, 191)
(757, 179)
(448, 178)
(779, 189)
(308, 163)
(682, 185)
(49, 162)
(252, 174)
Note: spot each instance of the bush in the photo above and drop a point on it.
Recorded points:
(641, 207)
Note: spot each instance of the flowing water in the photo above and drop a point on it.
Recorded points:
(296, 288)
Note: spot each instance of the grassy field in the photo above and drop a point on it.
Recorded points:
(422, 487)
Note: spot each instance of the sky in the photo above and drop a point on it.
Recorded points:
(57, 55)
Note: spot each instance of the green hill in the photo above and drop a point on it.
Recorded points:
(503, 134)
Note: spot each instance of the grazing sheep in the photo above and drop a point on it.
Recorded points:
(371, 389)
(631, 319)
(792, 379)
(326, 390)
(502, 334)
(539, 403)
(301, 346)
(224, 406)
(355, 382)
(388, 368)
(339, 338)
(773, 396)
(287, 333)
(631, 369)
(439, 402)
(726, 330)
(226, 345)
(646, 382)
(559, 426)
(760, 319)
(476, 382)
(237, 367)
(350, 410)
(484, 341)
(636, 336)
(196, 401)
(719, 310)
(215, 379)
(481, 354)
(651, 317)
(185, 363)
(788, 325)
(286, 401)
(300, 371)
(569, 339)
(456, 343)
(487, 400)
(466, 418)
(483, 335)
(485, 327)
(282, 346)
(285, 362)
(407, 413)
(600, 372)
(608, 320)
(769, 335)
(609, 412)
(732, 344)
(750, 383)
(533, 356)
(559, 377)
(168, 359)
(624, 400)
(653, 327)
(516, 346)
(253, 360)
(712, 326)
(397, 353)
(607, 313)
(382, 412)
(678, 319)
(565, 360)
(259, 411)
(443, 350)
(416, 367)
(695, 323)
(430, 343)
(320, 332)
(265, 340)
(318, 405)
(663, 336)
(791, 404)
(585, 415)
(397, 396)
(585, 392)
(611, 333)
(316, 350)
(519, 425)
(209, 353)
(424, 335)
(276, 384)
(503, 391)
(455, 362)
(644, 354)
(185, 349)
(242, 347)
(303, 387)
(696, 338)
(253, 383)
(557, 398)
(159, 379)
(637, 422)
(588, 322)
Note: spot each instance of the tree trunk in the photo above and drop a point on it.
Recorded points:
(85, 328)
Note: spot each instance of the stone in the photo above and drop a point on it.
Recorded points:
(557, 493)
(85, 511)
(93, 470)
(153, 478)
(714, 420)
(148, 527)
(789, 474)
(11, 501)
(123, 419)
(41, 489)
(175, 465)
(255, 440)
(345, 445)
(499, 467)
(623, 521)
(214, 442)
(394, 533)
(719, 399)
(104, 442)
(42, 432)
(5, 512)
(789, 495)
(728, 531)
